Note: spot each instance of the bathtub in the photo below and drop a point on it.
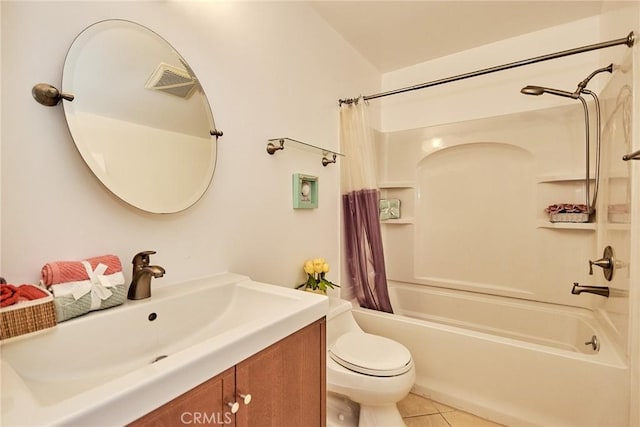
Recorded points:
(513, 361)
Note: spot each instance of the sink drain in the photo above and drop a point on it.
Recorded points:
(158, 358)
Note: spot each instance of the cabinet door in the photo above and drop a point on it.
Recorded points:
(203, 405)
(286, 382)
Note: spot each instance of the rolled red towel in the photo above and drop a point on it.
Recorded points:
(8, 295)
(11, 294)
(54, 273)
(31, 292)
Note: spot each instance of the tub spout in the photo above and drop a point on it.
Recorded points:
(598, 290)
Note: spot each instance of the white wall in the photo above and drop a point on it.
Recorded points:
(269, 70)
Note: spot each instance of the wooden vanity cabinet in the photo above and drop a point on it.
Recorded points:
(286, 382)
(204, 404)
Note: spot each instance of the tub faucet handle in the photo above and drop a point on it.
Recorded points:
(602, 263)
(607, 263)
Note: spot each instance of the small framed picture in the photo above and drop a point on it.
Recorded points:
(305, 191)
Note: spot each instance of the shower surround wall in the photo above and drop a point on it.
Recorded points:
(473, 196)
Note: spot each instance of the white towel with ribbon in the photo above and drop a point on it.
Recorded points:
(97, 285)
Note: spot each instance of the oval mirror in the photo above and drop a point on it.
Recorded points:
(140, 118)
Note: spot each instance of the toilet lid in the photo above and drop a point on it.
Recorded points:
(371, 354)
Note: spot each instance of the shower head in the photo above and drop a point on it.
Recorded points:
(539, 90)
(532, 90)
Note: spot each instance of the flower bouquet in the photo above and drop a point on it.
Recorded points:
(316, 270)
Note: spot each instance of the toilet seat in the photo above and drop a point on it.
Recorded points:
(371, 354)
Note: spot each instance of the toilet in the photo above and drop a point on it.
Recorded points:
(373, 371)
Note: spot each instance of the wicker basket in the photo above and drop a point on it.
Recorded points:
(569, 217)
(27, 316)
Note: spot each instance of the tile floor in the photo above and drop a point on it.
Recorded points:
(418, 411)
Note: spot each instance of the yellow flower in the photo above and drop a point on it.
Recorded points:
(308, 267)
(317, 265)
(316, 270)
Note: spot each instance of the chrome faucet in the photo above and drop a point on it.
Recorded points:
(598, 290)
(140, 287)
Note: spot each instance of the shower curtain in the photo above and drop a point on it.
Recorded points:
(367, 279)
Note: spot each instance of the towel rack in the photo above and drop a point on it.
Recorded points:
(328, 156)
(632, 156)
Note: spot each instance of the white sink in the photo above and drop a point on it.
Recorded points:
(111, 367)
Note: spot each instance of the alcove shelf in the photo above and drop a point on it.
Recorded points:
(395, 184)
(567, 225)
(564, 177)
(399, 221)
(277, 144)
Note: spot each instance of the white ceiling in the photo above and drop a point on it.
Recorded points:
(396, 34)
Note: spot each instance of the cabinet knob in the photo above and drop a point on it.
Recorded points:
(235, 406)
(245, 397)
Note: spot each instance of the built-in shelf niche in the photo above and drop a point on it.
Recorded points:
(277, 144)
(404, 191)
(562, 187)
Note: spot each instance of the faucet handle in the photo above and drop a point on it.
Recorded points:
(141, 259)
(607, 263)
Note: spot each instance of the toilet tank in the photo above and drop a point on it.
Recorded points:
(339, 320)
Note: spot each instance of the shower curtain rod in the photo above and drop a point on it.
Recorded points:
(629, 41)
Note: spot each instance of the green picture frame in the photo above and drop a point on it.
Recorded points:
(305, 191)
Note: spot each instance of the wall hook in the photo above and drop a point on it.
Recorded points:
(272, 148)
(326, 161)
(48, 95)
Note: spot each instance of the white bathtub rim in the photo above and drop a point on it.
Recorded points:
(607, 356)
(595, 319)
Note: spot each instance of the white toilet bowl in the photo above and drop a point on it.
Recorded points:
(373, 371)
(341, 411)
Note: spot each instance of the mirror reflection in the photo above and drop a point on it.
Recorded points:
(140, 118)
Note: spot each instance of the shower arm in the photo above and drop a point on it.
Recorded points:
(583, 84)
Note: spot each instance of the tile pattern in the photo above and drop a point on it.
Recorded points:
(418, 411)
